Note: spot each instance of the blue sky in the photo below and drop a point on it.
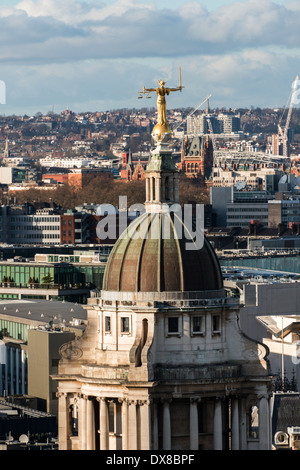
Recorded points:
(92, 55)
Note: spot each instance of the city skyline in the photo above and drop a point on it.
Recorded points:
(96, 56)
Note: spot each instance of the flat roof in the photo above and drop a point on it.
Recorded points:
(254, 274)
(43, 311)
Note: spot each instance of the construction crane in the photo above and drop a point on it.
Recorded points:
(182, 122)
(283, 137)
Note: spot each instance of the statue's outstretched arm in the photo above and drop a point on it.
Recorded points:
(174, 89)
(148, 89)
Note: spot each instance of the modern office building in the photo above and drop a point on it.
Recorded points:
(270, 314)
(253, 177)
(10, 175)
(244, 213)
(229, 123)
(217, 124)
(43, 355)
(52, 276)
(31, 333)
(27, 225)
(197, 125)
(284, 211)
(42, 227)
(233, 208)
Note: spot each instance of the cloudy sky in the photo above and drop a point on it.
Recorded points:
(92, 55)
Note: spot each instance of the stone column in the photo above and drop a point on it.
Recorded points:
(63, 421)
(243, 429)
(194, 431)
(264, 424)
(158, 189)
(147, 189)
(218, 425)
(124, 423)
(90, 425)
(155, 427)
(166, 425)
(132, 425)
(235, 431)
(104, 445)
(82, 422)
(145, 421)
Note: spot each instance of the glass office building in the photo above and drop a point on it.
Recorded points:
(60, 280)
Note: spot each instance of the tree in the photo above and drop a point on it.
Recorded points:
(48, 279)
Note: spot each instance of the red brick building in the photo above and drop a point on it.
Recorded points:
(82, 227)
(196, 157)
(132, 170)
(55, 178)
(80, 178)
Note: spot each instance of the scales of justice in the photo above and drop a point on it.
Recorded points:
(161, 132)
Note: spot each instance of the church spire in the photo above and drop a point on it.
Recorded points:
(6, 151)
(207, 107)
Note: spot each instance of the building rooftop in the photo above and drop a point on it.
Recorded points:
(239, 273)
(44, 311)
(17, 422)
(286, 409)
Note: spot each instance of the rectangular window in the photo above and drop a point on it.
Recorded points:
(124, 324)
(216, 323)
(197, 324)
(173, 325)
(107, 325)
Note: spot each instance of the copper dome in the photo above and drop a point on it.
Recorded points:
(160, 261)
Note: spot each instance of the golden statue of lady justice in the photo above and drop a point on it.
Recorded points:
(162, 126)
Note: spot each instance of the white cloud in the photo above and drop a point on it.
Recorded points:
(78, 52)
(76, 12)
(126, 28)
(246, 78)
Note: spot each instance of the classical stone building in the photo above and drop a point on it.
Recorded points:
(163, 363)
